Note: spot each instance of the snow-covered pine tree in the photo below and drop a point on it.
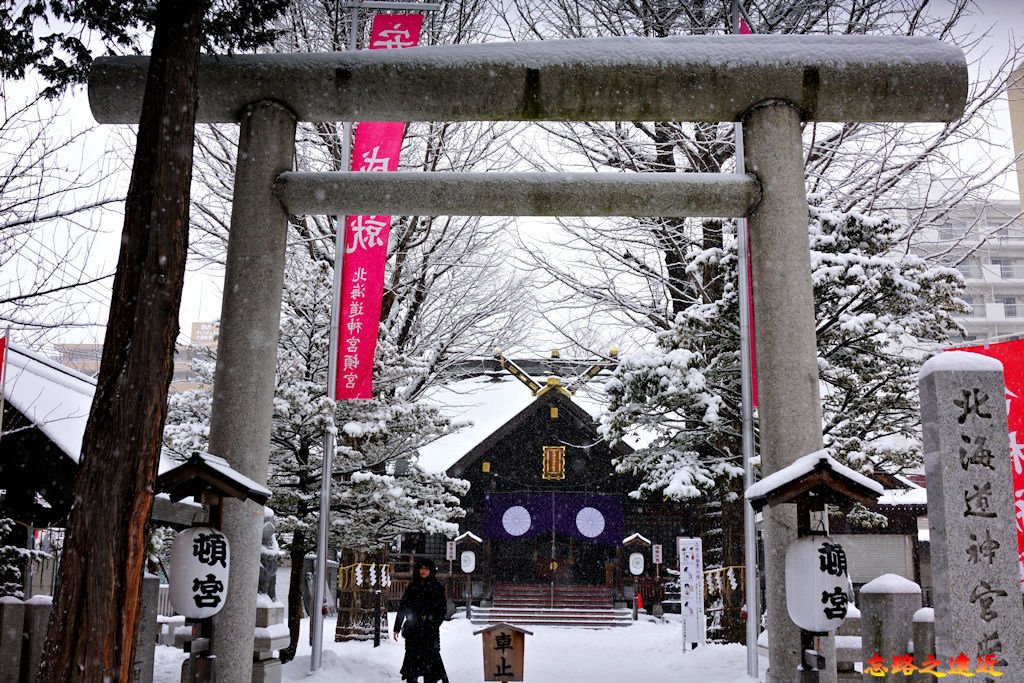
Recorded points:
(873, 304)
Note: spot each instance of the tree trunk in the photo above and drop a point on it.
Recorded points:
(91, 634)
(295, 579)
(733, 626)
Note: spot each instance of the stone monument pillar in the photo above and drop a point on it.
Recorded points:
(976, 589)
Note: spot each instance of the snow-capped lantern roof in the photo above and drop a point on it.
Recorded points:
(815, 475)
(207, 472)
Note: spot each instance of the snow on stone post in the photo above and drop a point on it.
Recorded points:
(887, 607)
(978, 609)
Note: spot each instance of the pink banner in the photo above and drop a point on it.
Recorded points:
(1011, 355)
(376, 148)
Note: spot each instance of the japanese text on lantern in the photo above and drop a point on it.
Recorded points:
(988, 596)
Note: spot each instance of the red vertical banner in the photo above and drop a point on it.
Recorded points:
(1011, 355)
(376, 148)
(3, 359)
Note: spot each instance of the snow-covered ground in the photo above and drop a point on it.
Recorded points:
(649, 651)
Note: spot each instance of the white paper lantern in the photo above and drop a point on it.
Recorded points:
(636, 564)
(817, 583)
(200, 558)
(468, 561)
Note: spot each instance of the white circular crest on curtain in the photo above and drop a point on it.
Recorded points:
(516, 520)
(590, 522)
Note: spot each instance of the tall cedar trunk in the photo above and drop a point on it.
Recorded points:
(91, 634)
(295, 610)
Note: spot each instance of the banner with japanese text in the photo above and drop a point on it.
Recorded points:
(376, 148)
(1011, 354)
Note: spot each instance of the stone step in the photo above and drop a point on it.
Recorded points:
(554, 617)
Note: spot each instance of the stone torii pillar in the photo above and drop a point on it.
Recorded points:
(771, 83)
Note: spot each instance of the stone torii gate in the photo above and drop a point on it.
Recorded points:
(769, 83)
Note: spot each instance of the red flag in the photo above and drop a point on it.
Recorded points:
(639, 600)
(744, 28)
(1011, 354)
(376, 148)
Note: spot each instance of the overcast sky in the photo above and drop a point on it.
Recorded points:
(1003, 19)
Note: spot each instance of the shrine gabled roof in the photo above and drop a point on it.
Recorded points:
(495, 405)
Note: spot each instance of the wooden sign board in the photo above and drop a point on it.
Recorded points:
(504, 652)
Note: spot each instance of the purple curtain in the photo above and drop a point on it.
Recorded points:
(589, 517)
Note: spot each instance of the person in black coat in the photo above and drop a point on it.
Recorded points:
(419, 618)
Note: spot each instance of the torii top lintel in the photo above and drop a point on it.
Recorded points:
(691, 78)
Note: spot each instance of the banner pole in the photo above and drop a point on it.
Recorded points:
(746, 405)
(327, 466)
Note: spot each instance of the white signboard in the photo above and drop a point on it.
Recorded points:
(636, 564)
(691, 590)
(656, 553)
(817, 581)
(468, 561)
(449, 553)
(200, 558)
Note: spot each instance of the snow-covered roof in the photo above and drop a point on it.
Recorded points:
(636, 537)
(55, 398)
(486, 402)
(806, 465)
(914, 496)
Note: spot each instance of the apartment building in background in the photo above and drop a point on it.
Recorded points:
(86, 357)
(993, 271)
(1015, 95)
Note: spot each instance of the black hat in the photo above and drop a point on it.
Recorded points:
(424, 562)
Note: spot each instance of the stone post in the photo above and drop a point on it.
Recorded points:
(145, 638)
(271, 635)
(976, 593)
(12, 625)
(887, 606)
(37, 616)
(924, 641)
(243, 388)
(789, 402)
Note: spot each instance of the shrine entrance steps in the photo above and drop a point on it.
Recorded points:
(579, 606)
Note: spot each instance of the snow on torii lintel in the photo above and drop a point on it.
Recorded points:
(959, 361)
(805, 465)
